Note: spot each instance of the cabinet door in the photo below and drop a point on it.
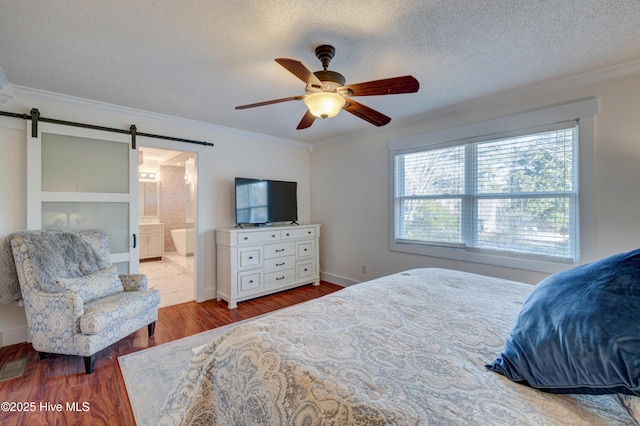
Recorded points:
(155, 244)
(144, 252)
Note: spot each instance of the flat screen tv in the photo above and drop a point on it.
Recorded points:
(262, 201)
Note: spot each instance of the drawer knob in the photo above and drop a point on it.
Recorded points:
(273, 236)
(280, 264)
(288, 234)
(305, 249)
(250, 257)
(246, 238)
(250, 281)
(279, 250)
(279, 278)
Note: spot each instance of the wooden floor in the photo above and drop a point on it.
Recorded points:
(101, 398)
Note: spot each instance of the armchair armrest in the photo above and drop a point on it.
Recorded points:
(134, 282)
(53, 319)
(69, 303)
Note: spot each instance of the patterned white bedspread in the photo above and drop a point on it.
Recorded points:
(407, 349)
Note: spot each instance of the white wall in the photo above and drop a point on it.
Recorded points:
(234, 154)
(350, 178)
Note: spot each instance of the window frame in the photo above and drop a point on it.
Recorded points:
(582, 111)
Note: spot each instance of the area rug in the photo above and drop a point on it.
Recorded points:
(150, 374)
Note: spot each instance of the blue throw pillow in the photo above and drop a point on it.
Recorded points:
(579, 331)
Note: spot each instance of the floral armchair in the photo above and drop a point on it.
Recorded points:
(75, 301)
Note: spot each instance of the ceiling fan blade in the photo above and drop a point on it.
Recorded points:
(367, 114)
(387, 86)
(299, 70)
(273, 101)
(307, 121)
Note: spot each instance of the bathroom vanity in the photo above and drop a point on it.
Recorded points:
(151, 240)
(151, 232)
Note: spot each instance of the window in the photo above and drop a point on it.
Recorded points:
(514, 195)
(510, 198)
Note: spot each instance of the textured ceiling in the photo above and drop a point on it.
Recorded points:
(199, 59)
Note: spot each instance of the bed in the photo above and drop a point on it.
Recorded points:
(406, 349)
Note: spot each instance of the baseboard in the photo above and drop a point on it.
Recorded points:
(14, 336)
(337, 279)
(209, 293)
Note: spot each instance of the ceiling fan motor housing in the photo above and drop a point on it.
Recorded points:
(331, 80)
(330, 102)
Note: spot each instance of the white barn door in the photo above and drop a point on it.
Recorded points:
(80, 178)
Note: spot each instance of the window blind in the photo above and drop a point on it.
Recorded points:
(514, 194)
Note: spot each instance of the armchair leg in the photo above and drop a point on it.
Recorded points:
(89, 362)
(152, 328)
(44, 355)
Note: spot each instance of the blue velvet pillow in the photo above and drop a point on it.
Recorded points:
(579, 331)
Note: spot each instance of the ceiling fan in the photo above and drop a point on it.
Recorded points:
(327, 93)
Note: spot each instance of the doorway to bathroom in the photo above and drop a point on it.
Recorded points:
(167, 206)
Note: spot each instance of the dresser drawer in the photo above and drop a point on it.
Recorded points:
(304, 270)
(279, 250)
(249, 257)
(279, 263)
(304, 249)
(258, 237)
(275, 279)
(249, 281)
(298, 233)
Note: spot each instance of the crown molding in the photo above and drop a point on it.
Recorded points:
(43, 95)
(6, 90)
(539, 89)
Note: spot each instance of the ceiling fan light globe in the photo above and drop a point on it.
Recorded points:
(324, 104)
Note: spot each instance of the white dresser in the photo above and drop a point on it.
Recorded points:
(253, 262)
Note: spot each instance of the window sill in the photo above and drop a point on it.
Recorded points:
(461, 254)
